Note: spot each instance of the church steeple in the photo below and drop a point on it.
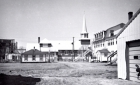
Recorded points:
(84, 33)
(84, 30)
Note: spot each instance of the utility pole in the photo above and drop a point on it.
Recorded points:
(73, 50)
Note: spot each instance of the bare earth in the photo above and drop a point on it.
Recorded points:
(61, 73)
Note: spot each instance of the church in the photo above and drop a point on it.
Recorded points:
(64, 50)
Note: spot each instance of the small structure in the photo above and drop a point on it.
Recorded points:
(129, 48)
(102, 55)
(33, 55)
(7, 46)
(85, 40)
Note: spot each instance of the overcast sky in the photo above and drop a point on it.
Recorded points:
(25, 20)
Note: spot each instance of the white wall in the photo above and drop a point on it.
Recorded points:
(110, 48)
(132, 32)
(30, 59)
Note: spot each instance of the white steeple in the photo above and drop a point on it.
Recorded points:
(84, 33)
(84, 30)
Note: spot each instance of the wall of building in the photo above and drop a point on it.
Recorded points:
(7, 46)
(37, 58)
(132, 32)
(110, 47)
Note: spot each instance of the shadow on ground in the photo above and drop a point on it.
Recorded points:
(17, 80)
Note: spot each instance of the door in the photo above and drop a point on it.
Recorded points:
(134, 58)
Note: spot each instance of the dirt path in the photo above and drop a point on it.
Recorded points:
(67, 73)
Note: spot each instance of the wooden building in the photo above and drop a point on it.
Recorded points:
(129, 48)
(33, 55)
(106, 39)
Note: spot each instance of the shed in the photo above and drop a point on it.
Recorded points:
(33, 55)
(102, 55)
(129, 48)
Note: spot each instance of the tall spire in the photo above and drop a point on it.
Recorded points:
(84, 30)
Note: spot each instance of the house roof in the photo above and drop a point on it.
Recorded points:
(134, 16)
(56, 45)
(103, 51)
(121, 25)
(32, 52)
(16, 52)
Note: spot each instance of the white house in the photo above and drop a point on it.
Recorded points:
(106, 40)
(129, 48)
(65, 49)
(102, 55)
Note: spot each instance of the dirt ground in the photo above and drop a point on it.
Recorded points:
(61, 73)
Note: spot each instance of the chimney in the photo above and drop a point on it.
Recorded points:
(38, 39)
(130, 15)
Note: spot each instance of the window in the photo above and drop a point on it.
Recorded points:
(33, 57)
(26, 57)
(108, 43)
(41, 57)
(66, 52)
(111, 32)
(112, 42)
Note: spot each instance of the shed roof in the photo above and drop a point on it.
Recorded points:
(33, 52)
(134, 16)
(103, 51)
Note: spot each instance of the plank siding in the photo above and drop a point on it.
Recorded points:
(131, 33)
(134, 61)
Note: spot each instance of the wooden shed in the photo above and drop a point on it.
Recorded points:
(129, 48)
(102, 55)
(33, 55)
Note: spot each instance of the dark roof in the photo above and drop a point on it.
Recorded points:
(33, 52)
(119, 25)
(103, 51)
(135, 15)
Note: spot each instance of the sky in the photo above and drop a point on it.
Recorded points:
(26, 20)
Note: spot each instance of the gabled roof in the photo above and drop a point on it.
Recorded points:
(103, 51)
(119, 25)
(16, 52)
(116, 27)
(33, 52)
(134, 16)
